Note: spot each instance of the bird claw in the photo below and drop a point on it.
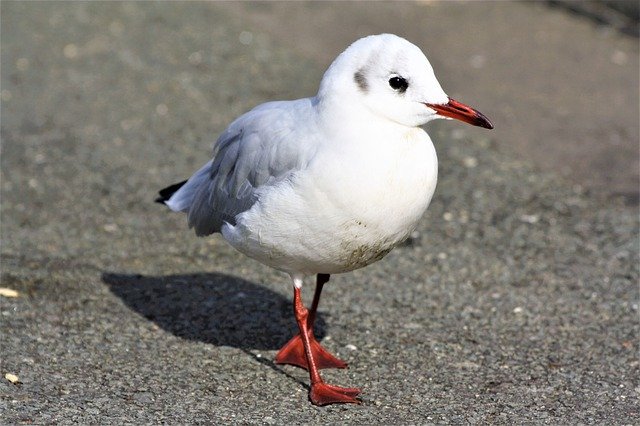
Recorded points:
(324, 394)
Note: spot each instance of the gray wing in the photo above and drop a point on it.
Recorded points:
(260, 148)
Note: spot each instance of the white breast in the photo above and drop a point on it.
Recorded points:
(351, 206)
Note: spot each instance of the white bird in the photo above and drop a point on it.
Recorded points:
(326, 184)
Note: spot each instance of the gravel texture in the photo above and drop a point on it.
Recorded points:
(516, 300)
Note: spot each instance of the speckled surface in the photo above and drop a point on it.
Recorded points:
(516, 301)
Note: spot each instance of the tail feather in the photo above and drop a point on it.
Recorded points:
(180, 197)
(167, 192)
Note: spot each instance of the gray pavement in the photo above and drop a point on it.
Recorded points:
(515, 302)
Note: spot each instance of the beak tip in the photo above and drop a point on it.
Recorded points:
(483, 121)
(462, 112)
(487, 124)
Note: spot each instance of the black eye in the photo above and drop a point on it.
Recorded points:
(398, 83)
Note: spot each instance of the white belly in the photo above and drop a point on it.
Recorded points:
(342, 213)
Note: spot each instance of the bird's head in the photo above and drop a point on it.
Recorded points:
(392, 79)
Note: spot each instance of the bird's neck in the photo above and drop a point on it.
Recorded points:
(342, 116)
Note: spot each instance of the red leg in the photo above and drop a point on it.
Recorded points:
(320, 393)
(293, 352)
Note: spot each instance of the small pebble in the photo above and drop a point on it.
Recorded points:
(412, 326)
(458, 134)
(195, 58)
(351, 347)
(22, 64)
(246, 38)
(39, 158)
(70, 51)
(619, 57)
(478, 61)
(33, 183)
(162, 109)
(110, 227)
(470, 162)
(8, 292)
(530, 218)
(12, 378)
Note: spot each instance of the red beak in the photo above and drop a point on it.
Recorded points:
(462, 112)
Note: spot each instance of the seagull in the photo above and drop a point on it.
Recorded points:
(326, 184)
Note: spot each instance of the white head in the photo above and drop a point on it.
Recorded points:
(392, 79)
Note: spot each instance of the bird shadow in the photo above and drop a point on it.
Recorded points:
(213, 308)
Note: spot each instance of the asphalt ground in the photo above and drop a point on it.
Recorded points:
(516, 301)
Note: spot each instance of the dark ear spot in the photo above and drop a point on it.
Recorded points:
(361, 81)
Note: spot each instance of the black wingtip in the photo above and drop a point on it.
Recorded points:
(167, 192)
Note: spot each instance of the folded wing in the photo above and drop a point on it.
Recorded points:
(258, 149)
